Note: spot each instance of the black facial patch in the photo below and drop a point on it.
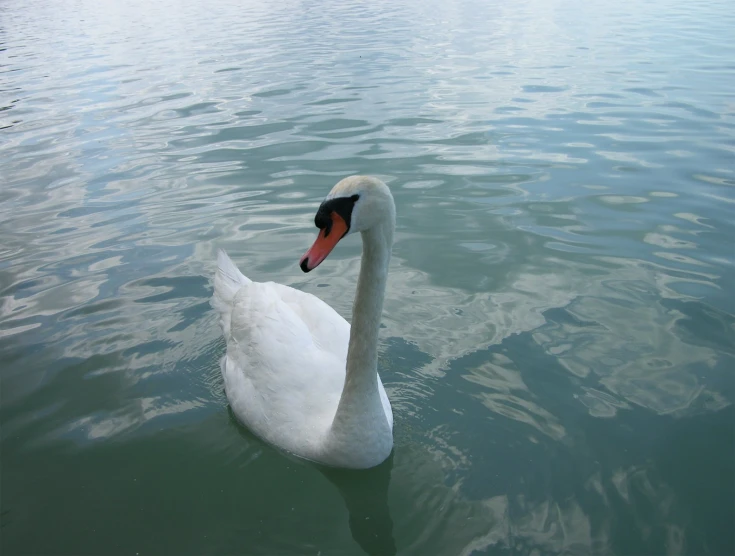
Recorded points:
(341, 205)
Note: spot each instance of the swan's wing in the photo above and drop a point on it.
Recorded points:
(294, 334)
(328, 329)
(275, 372)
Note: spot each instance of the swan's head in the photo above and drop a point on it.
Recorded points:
(355, 204)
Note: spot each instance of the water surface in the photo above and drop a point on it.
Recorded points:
(559, 329)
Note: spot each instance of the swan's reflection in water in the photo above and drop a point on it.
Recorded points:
(365, 493)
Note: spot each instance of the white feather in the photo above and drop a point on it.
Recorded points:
(227, 281)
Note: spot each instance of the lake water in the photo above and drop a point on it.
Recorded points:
(559, 328)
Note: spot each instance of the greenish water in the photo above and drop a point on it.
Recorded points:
(559, 333)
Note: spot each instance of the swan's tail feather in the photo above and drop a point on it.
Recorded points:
(227, 281)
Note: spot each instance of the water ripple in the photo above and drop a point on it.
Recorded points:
(563, 267)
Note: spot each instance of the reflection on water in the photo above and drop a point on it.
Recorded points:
(366, 497)
(559, 322)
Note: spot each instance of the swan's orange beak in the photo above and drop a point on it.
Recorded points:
(326, 240)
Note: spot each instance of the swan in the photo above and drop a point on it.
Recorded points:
(295, 373)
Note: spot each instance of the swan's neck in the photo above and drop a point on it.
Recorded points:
(360, 407)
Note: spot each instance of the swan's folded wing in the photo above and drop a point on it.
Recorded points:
(328, 329)
(274, 371)
(269, 336)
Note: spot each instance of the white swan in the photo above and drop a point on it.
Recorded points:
(295, 373)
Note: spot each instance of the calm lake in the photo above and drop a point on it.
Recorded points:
(558, 339)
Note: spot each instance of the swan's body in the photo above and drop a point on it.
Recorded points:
(295, 373)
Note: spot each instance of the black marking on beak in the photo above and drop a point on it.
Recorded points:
(342, 206)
